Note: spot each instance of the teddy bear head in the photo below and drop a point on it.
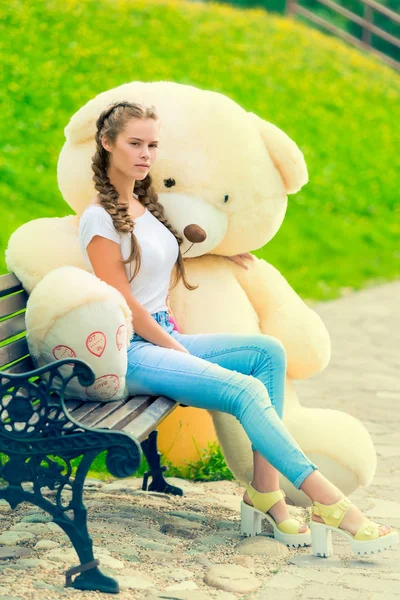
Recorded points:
(222, 173)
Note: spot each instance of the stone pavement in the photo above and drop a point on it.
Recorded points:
(363, 379)
(190, 548)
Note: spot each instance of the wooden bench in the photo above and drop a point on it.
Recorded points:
(38, 424)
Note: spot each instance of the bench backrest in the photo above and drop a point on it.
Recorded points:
(14, 351)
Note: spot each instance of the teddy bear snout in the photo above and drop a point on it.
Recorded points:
(194, 233)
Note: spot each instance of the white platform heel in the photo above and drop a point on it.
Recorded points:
(250, 523)
(365, 541)
(286, 532)
(321, 540)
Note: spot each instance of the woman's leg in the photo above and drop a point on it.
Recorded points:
(190, 380)
(260, 356)
(198, 382)
(263, 357)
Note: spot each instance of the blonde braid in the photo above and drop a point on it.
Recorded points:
(108, 195)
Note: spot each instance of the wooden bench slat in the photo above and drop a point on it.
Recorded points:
(56, 402)
(23, 366)
(85, 409)
(102, 412)
(11, 304)
(128, 411)
(13, 351)
(71, 405)
(12, 326)
(8, 284)
(149, 419)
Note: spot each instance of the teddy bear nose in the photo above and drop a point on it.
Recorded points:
(194, 233)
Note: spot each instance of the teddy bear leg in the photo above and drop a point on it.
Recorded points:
(338, 443)
(235, 446)
(335, 441)
(72, 313)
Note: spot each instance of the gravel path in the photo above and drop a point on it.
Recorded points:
(190, 548)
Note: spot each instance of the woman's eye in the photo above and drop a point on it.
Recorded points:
(170, 182)
(137, 144)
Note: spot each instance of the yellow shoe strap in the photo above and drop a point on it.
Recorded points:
(263, 501)
(369, 531)
(290, 526)
(331, 514)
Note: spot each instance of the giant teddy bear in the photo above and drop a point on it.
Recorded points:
(228, 172)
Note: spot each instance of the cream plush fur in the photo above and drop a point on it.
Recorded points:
(214, 149)
(93, 323)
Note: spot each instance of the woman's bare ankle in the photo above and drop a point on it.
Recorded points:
(320, 489)
(264, 486)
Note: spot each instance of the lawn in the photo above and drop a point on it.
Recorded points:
(339, 105)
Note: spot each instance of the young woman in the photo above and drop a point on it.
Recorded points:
(129, 243)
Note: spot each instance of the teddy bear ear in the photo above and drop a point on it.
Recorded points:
(82, 125)
(285, 154)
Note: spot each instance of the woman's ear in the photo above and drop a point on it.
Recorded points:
(285, 154)
(105, 143)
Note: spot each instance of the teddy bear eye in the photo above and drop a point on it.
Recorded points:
(169, 182)
(226, 198)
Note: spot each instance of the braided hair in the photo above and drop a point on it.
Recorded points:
(109, 124)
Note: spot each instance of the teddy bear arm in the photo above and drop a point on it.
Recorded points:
(283, 314)
(40, 246)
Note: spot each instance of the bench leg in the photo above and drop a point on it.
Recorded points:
(153, 457)
(90, 577)
(17, 470)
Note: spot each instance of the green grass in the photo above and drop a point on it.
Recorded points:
(211, 466)
(341, 107)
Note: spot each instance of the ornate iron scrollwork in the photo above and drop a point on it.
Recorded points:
(36, 427)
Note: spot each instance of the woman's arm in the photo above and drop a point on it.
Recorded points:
(105, 258)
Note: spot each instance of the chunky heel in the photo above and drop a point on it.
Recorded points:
(286, 532)
(250, 523)
(321, 540)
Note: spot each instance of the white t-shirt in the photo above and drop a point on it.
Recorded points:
(158, 246)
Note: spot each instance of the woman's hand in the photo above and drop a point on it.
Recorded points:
(183, 349)
(175, 345)
(239, 259)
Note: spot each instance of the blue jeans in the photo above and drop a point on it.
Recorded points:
(239, 374)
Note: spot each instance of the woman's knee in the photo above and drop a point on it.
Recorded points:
(273, 350)
(250, 392)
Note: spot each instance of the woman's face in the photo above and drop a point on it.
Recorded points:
(135, 149)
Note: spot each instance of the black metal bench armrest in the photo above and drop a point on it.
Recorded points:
(34, 421)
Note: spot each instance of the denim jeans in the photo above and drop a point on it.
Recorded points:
(239, 374)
